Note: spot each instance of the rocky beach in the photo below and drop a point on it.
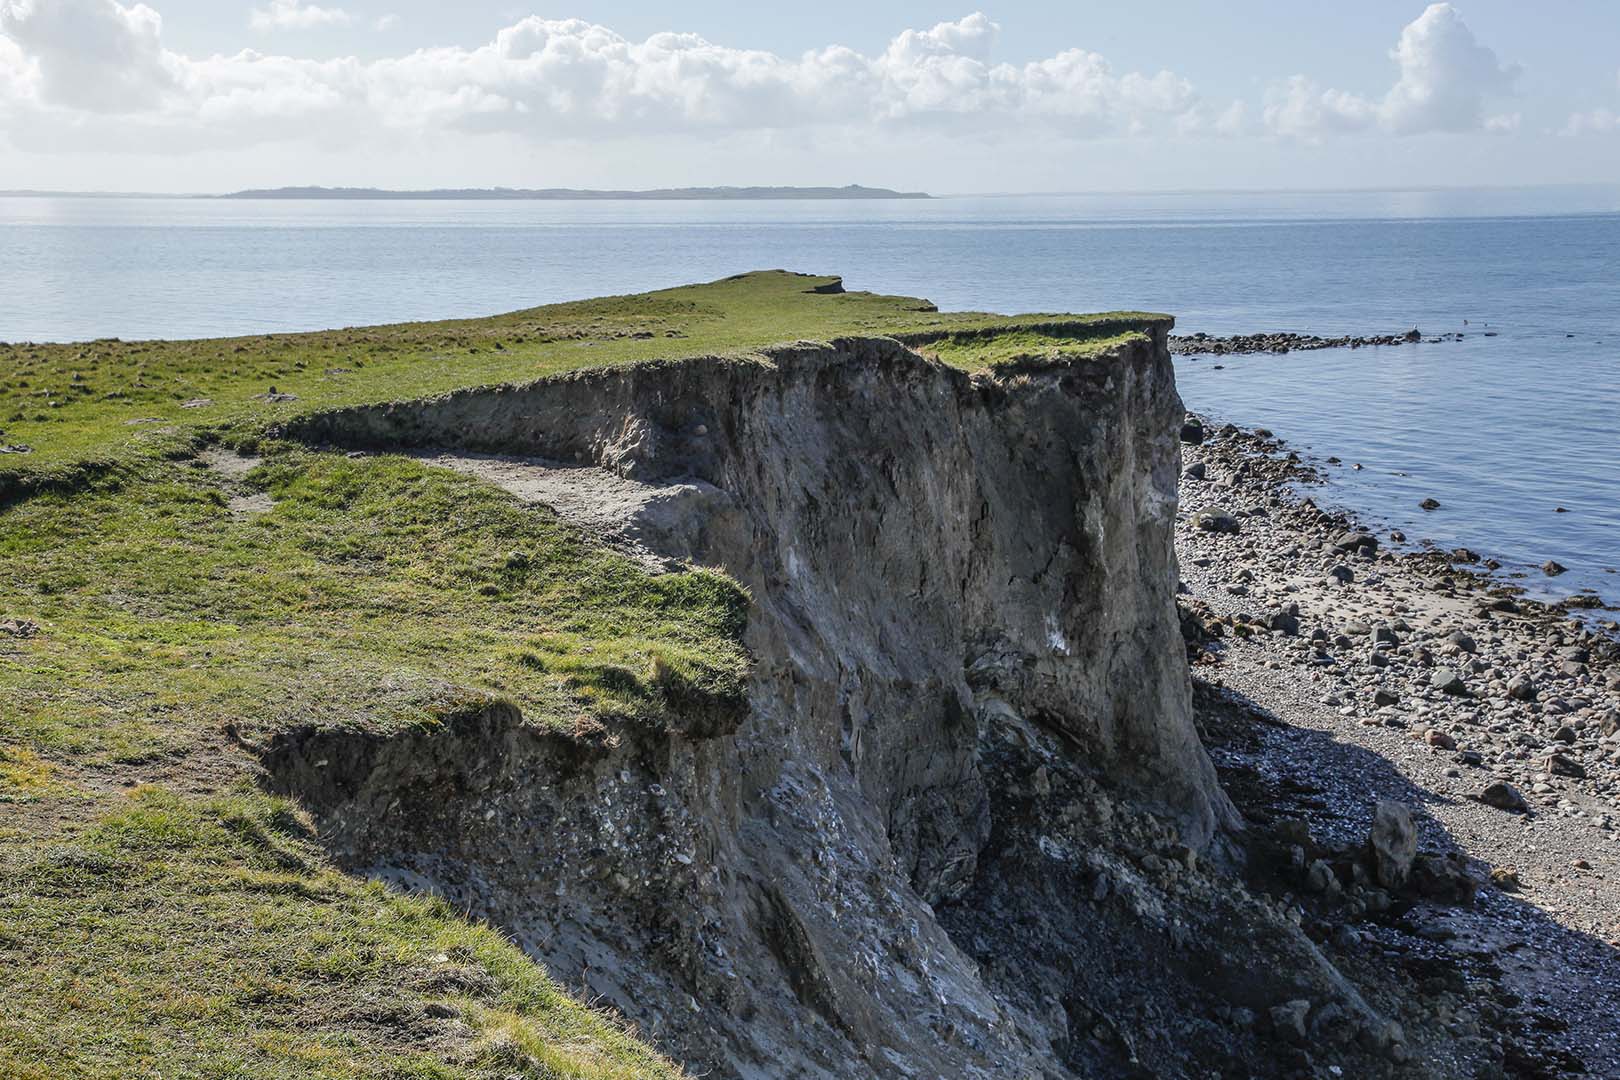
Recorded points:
(1373, 704)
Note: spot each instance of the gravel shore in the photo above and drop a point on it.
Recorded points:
(1372, 673)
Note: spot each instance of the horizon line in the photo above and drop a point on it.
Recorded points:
(1075, 192)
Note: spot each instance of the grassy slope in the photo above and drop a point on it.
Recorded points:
(160, 915)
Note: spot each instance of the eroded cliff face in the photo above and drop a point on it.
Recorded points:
(968, 789)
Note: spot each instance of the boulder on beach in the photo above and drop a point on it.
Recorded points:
(1504, 796)
(1563, 765)
(1392, 843)
(1285, 622)
(1356, 540)
(1448, 681)
(1440, 740)
(1216, 520)
(1522, 688)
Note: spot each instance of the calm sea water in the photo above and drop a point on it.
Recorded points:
(1502, 430)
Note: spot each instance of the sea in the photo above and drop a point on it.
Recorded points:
(1515, 429)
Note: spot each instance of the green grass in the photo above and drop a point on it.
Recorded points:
(376, 592)
(1018, 348)
(191, 927)
(208, 937)
(86, 407)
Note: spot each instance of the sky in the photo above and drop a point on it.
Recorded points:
(1063, 95)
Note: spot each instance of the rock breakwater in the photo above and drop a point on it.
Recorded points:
(1283, 342)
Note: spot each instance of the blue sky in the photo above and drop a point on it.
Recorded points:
(1159, 94)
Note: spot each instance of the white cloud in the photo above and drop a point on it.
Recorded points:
(1446, 78)
(972, 37)
(1233, 120)
(1600, 121)
(1446, 75)
(1080, 90)
(1299, 107)
(385, 22)
(94, 74)
(96, 56)
(544, 78)
(293, 15)
(1596, 122)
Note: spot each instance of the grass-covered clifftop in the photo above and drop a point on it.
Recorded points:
(109, 403)
(177, 584)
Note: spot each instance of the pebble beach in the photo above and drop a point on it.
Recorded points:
(1387, 671)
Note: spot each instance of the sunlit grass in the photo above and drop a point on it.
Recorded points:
(375, 593)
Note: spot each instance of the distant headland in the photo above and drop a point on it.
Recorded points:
(852, 191)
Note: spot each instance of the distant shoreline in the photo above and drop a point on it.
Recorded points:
(852, 191)
(858, 192)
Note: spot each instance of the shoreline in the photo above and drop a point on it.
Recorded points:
(1380, 673)
(1239, 496)
(1301, 472)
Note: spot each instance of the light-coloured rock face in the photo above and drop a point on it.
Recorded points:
(905, 529)
(932, 556)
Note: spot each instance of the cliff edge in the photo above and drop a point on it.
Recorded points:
(962, 626)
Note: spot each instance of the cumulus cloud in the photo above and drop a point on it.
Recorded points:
(73, 59)
(1234, 120)
(1300, 107)
(1601, 121)
(1446, 78)
(1596, 122)
(94, 74)
(99, 57)
(1446, 75)
(293, 15)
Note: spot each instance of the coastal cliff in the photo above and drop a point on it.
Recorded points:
(917, 541)
(820, 709)
(962, 625)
